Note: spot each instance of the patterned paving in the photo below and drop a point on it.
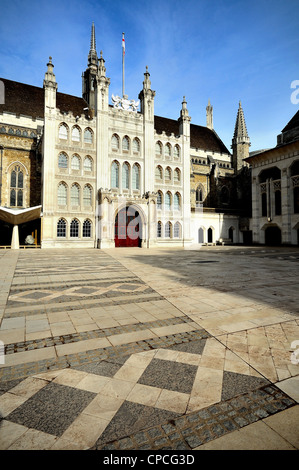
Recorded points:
(100, 354)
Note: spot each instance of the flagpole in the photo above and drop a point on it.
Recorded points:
(123, 48)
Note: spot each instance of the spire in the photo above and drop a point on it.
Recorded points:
(240, 141)
(92, 56)
(50, 79)
(240, 133)
(184, 111)
(209, 110)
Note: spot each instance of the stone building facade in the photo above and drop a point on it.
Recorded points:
(101, 174)
(275, 189)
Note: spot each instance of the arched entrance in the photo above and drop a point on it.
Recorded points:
(273, 236)
(127, 228)
(210, 235)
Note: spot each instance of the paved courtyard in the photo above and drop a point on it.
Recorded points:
(149, 349)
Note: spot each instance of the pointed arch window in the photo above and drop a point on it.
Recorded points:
(86, 232)
(126, 144)
(61, 228)
(74, 229)
(87, 195)
(63, 132)
(115, 175)
(159, 200)
(177, 230)
(75, 195)
(62, 160)
(125, 176)
(159, 173)
(136, 145)
(159, 230)
(177, 175)
(168, 230)
(136, 176)
(62, 194)
(88, 136)
(16, 187)
(176, 152)
(177, 202)
(167, 150)
(115, 142)
(168, 201)
(158, 149)
(87, 164)
(75, 134)
(75, 163)
(168, 174)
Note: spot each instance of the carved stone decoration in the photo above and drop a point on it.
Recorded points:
(124, 103)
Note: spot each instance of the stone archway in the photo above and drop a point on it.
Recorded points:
(273, 236)
(128, 227)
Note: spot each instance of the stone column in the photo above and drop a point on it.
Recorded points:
(15, 244)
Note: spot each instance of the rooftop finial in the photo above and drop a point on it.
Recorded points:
(93, 39)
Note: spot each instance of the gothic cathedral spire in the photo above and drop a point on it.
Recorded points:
(240, 141)
(89, 76)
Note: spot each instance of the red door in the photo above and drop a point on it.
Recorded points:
(127, 226)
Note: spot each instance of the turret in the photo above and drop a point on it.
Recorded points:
(209, 110)
(240, 141)
(89, 76)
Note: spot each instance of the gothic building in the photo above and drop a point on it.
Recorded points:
(275, 189)
(84, 172)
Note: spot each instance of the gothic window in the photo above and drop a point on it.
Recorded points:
(199, 194)
(177, 202)
(87, 195)
(177, 230)
(168, 230)
(158, 149)
(16, 187)
(62, 195)
(176, 152)
(75, 134)
(135, 177)
(159, 230)
(87, 164)
(114, 175)
(167, 150)
(159, 173)
(136, 145)
(74, 229)
(75, 195)
(62, 160)
(25, 134)
(177, 175)
(2, 130)
(125, 176)
(61, 228)
(167, 174)
(86, 232)
(126, 144)
(75, 163)
(159, 200)
(63, 132)
(168, 201)
(115, 142)
(88, 136)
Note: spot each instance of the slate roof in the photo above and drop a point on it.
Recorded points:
(293, 123)
(28, 100)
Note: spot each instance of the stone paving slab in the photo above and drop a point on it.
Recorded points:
(156, 349)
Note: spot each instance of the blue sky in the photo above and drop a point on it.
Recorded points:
(222, 50)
